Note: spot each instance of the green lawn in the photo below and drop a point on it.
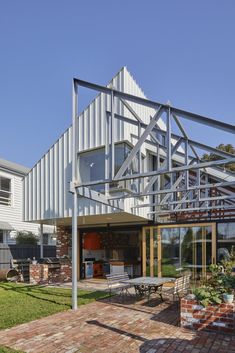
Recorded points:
(23, 303)
(8, 350)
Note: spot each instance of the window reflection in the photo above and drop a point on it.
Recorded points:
(155, 252)
(92, 167)
(186, 249)
(226, 239)
(171, 262)
(147, 252)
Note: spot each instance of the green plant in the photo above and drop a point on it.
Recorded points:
(26, 238)
(207, 295)
(228, 284)
(220, 282)
(216, 279)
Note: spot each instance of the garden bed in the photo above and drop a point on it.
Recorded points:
(220, 317)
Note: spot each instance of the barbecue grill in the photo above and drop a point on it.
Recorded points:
(52, 262)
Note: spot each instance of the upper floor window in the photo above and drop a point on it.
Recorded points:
(5, 191)
(92, 165)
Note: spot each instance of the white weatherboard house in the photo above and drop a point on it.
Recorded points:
(163, 210)
(11, 204)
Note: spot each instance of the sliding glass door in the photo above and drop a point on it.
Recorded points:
(175, 249)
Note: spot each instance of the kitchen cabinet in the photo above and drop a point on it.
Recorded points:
(97, 269)
(92, 241)
(116, 267)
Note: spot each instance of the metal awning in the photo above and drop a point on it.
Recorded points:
(5, 226)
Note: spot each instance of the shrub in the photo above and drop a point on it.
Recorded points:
(221, 281)
(26, 238)
(207, 295)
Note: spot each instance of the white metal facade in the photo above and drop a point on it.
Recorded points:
(46, 187)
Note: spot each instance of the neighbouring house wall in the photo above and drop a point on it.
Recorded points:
(14, 214)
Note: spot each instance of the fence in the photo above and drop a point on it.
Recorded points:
(8, 252)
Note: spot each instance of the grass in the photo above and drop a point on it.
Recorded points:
(8, 350)
(23, 303)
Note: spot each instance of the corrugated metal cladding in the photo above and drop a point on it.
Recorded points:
(46, 187)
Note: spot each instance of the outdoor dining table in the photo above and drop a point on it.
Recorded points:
(149, 285)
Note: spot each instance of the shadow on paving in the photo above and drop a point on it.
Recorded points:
(169, 315)
(165, 312)
(207, 342)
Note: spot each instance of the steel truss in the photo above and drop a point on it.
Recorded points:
(190, 187)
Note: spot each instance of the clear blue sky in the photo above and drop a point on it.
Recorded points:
(179, 50)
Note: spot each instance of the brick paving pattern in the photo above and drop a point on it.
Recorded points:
(115, 327)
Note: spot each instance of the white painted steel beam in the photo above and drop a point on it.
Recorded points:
(161, 172)
(217, 124)
(165, 191)
(176, 136)
(201, 208)
(75, 198)
(98, 197)
(184, 200)
(139, 143)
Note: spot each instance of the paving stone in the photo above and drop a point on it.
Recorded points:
(115, 327)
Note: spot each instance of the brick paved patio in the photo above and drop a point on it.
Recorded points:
(114, 327)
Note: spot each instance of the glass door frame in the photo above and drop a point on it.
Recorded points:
(158, 228)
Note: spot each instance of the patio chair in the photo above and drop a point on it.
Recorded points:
(181, 287)
(116, 283)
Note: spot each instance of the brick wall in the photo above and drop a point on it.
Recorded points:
(64, 241)
(219, 318)
(41, 274)
(62, 275)
(38, 274)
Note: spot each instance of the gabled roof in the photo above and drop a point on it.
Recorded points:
(9, 166)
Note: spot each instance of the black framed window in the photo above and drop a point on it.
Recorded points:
(5, 191)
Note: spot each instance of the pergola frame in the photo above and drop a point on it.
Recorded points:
(192, 172)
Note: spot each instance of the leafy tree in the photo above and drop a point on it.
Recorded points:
(26, 238)
(225, 148)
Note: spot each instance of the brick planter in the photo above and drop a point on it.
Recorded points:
(220, 318)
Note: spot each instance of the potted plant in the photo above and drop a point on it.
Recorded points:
(228, 288)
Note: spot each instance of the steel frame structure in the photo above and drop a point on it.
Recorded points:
(190, 187)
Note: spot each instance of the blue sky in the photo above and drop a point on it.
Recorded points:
(179, 50)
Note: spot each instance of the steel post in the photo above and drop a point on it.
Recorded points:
(41, 241)
(75, 199)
